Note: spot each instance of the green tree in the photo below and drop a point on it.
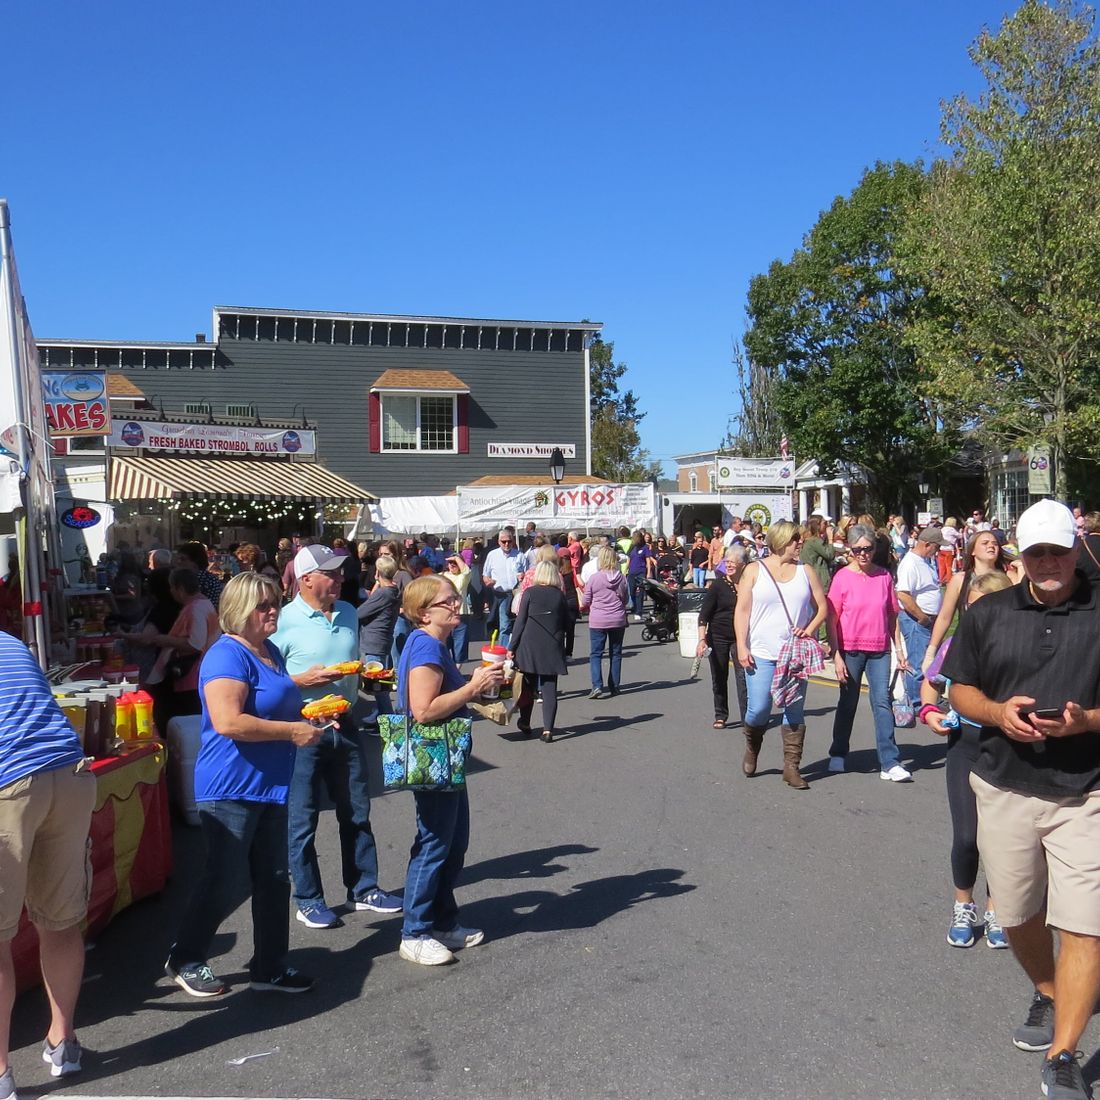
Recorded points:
(617, 452)
(830, 326)
(1008, 236)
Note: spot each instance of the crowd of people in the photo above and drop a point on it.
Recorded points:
(1015, 690)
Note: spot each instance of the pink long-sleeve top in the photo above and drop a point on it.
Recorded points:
(866, 607)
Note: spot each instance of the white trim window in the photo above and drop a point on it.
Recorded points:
(420, 422)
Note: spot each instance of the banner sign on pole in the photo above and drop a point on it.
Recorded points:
(76, 403)
(1038, 471)
(604, 506)
(212, 438)
(743, 473)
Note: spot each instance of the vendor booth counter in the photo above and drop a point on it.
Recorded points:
(130, 848)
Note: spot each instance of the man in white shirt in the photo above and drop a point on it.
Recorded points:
(920, 596)
(732, 532)
(502, 572)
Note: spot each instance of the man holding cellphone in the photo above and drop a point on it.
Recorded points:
(1025, 665)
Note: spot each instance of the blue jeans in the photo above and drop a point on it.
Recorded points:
(636, 585)
(245, 854)
(457, 641)
(338, 762)
(916, 638)
(502, 616)
(435, 862)
(613, 638)
(699, 575)
(401, 630)
(758, 681)
(876, 666)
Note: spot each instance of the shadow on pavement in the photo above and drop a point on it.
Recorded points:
(536, 863)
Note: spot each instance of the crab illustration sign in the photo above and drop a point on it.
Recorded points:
(76, 403)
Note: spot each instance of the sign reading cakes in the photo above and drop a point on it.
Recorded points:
(76, 403)
(212, 439)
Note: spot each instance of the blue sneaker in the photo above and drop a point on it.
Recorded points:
(7, 1085)
(966, 925)
(377, 901)
(316, 914)
(994, 934)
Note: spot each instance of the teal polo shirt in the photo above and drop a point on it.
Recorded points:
(306, 638)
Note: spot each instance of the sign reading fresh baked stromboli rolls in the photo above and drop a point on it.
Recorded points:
(211, 439)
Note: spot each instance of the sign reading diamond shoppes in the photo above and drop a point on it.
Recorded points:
(556, 507)
(529, 450)
(741, 473)
(212, 439)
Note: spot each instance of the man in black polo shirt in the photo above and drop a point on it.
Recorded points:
(1025, 664)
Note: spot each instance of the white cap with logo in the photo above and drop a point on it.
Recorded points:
(1046, 523)
(311, 559)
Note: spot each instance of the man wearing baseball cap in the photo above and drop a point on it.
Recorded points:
(317, 631)
(921, 597)
(1025, 666)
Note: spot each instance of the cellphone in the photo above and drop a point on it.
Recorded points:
(1049, 714)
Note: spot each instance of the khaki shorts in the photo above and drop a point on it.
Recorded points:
(1035, 848)
(44, 845)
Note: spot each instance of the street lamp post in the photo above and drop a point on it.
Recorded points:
(557, 465)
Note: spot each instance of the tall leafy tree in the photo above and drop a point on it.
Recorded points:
(1008, 235)
(830, 324)
(617, 451)
(756, 430)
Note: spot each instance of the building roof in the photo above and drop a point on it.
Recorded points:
(254, 311)
(118, 385)
(442, 381)
(535, 479)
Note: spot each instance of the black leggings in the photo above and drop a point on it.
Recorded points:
(548, 685)
(722, 650)
(964, 814)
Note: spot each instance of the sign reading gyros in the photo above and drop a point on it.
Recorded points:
(212, 439)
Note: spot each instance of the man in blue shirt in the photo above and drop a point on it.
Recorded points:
(316, 631)
(46, 807)
(502, 572)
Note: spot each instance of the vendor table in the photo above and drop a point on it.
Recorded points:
(131, 846)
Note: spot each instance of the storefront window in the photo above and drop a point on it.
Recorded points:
(1010, 495)
(418, 423)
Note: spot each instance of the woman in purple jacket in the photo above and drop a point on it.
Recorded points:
(605, 596)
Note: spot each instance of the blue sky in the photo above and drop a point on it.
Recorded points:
(632, 163)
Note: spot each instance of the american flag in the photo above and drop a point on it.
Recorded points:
(785, 447)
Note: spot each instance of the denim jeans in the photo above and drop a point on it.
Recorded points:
(916, 638)
(876, 666)
(758, 683)
(457, 641)
(501, 617)
(435, 862)
(338, 762)
(699, 575)
(636, 585)
(245, 853)
(613, 638)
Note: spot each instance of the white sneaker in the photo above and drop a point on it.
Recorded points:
(426, 952)
(637, 618)
(897, 774)
(459, 937)
(836, 763)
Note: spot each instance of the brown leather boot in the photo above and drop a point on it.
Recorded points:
(754, 738)
(794, 737)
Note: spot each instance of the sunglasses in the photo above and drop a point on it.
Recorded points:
(266, 606)
(504, 542)
(1037, 552)
(863, 549)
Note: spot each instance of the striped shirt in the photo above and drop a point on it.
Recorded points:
(34, 735)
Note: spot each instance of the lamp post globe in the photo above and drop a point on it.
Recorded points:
(557, 465)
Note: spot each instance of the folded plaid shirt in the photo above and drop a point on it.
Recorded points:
(798, 658)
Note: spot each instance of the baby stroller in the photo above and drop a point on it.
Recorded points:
(662, 623)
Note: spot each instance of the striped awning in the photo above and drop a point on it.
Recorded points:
(229, 479)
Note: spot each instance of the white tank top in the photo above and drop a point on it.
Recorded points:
(768, 626)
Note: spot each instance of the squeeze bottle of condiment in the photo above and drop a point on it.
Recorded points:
(124, 717)
(143, 716)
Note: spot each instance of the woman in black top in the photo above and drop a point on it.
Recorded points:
(538, 646)
(699, 556)
(716, 631)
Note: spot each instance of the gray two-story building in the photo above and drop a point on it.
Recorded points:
(401, 405)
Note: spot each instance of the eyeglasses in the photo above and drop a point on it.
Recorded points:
(1044, 551)
(504, 542)
(266, 606)
(863, 549)
(452, 601)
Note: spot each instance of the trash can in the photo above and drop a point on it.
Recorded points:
(689, 602)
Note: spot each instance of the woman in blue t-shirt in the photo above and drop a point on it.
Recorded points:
(433, 690)
(251, 726)
(640, 564)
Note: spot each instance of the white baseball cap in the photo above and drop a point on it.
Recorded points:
(311, 559)
(1047, 523)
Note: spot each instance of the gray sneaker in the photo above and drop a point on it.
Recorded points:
(7, 1085)
(1037, 1031)
(1061, 1078)
(64, 1058)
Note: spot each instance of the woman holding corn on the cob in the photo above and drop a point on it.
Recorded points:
(251, 728)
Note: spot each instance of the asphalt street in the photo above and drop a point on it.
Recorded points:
(656, 926)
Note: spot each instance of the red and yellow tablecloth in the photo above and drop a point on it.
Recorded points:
(131, 849)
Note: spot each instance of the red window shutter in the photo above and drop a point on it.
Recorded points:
(374, 423)
(463, 423)
(60, 445)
